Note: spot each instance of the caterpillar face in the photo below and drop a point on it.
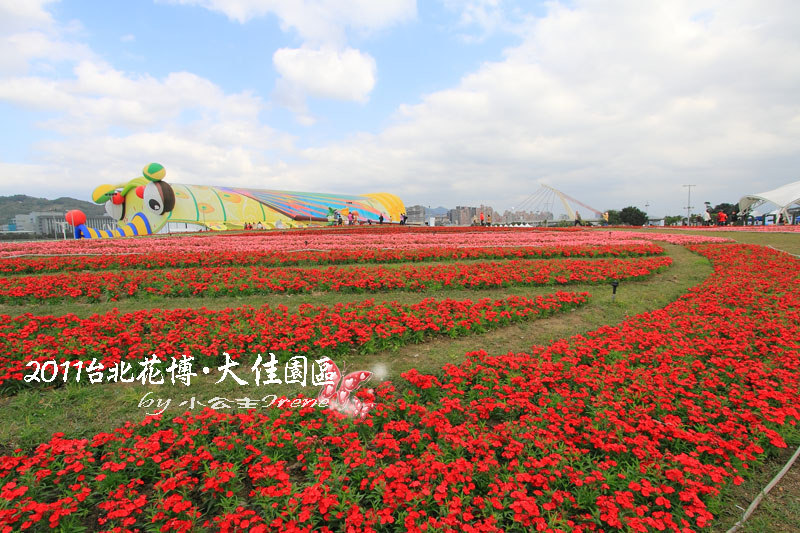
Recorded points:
(159, 197)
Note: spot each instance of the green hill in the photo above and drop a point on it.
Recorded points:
(21, 204)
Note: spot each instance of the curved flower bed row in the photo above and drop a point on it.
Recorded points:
(636, 427)
(773, 228)
(672, 238)
(404, 237)
(206, 334)
(230, 281)
(71, 263)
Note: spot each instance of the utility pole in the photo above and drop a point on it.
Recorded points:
(689, 204)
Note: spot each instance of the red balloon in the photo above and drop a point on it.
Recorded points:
(140, 191)
(76, 217)
(117, 198)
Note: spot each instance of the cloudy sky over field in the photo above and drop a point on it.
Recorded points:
(442, 102)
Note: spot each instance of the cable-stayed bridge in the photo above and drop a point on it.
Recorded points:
(544, 199)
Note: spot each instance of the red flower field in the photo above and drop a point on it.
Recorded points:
(633, 427)
(205, 335)
(227, 281)
(25, 264)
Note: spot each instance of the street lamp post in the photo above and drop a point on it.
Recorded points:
(689, 204)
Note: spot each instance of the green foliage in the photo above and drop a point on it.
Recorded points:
(614, 218)
(633, 216)
(730, 209)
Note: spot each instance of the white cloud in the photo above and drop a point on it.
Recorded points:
(324, 67)
(210, 151)
(100, 97)
(614, 103)
(112, 122)
(316, 21)
(190, 155)
(479, 19)
(16, 15)
(327, 73)
(28, 33)
(346, 75)
(35, 179)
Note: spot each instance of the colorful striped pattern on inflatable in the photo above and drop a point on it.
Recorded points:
(137, 226)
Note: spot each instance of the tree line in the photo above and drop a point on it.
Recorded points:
(633, 216)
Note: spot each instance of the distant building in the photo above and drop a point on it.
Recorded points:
(53, 223)
(416, 214)
(23, 223)
(489, 213)
(442, 220)
(528, 217)
(462, 215)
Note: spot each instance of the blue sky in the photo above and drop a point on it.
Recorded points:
(443, 102)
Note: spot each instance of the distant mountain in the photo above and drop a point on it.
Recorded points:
(437, 211)
(21, 204)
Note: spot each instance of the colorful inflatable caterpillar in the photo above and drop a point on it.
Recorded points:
(147, 204)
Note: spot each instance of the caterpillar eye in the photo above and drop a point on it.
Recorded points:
(159, 197)
(115, 211)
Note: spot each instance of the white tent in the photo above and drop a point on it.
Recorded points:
(782, 197)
